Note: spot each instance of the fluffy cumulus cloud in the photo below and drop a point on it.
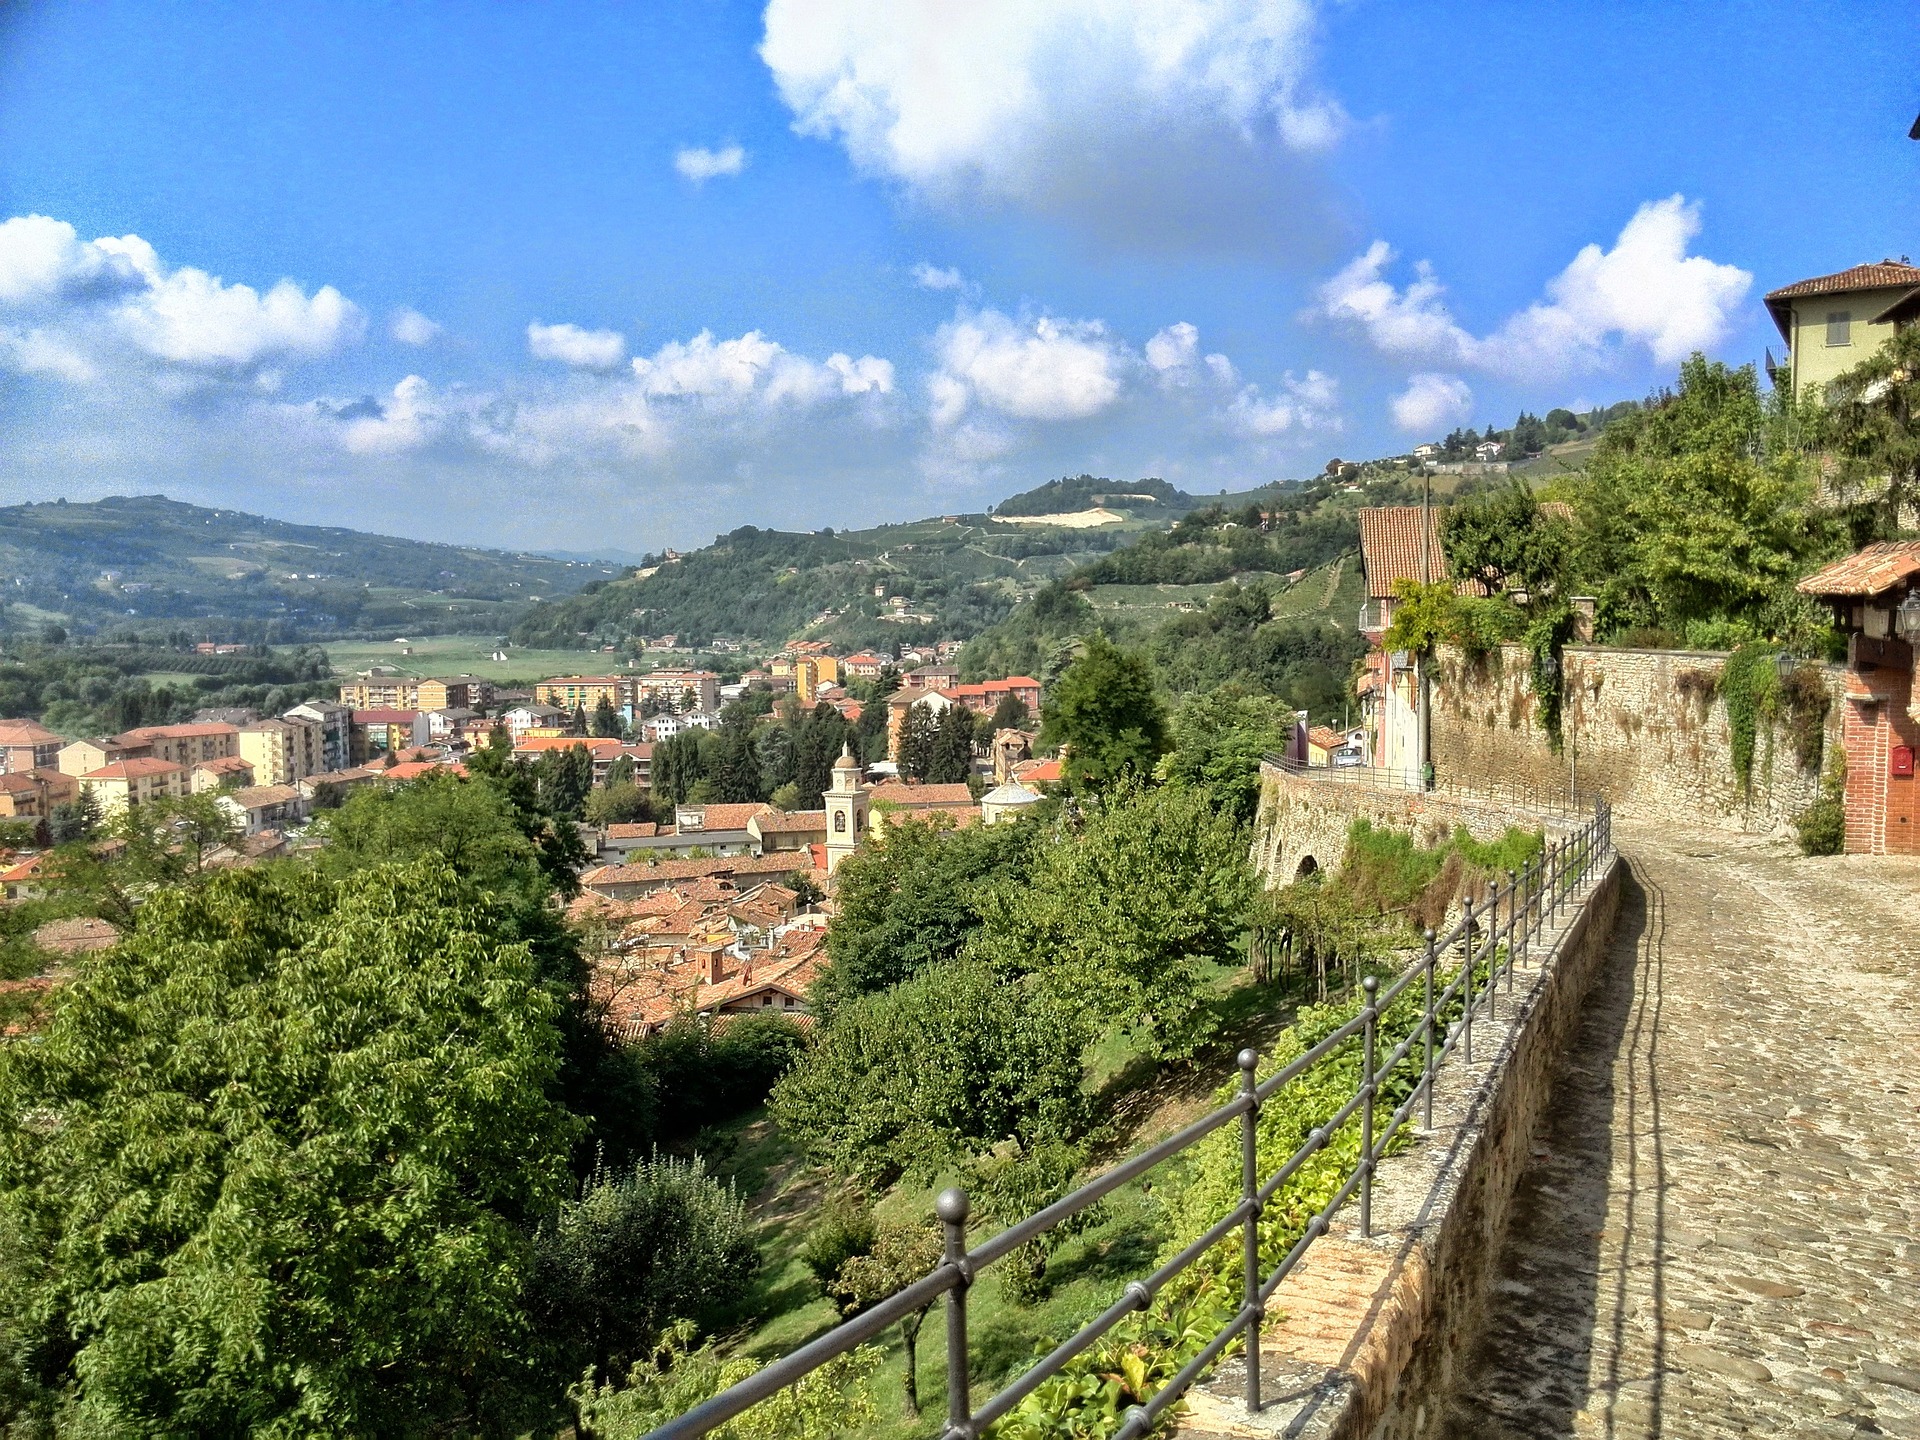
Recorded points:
(698, 164)
(410, 327)
(1645, 291)
(73, 309)
(1098, 111)
(1044, 369)
(1310, 402)
(1431, 403)
(571, 345)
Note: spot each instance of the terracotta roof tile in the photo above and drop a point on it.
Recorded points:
(1877, 568)
(789, 822)
(1390, 549)
(1882, 276)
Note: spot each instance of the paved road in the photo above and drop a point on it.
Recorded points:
(1719, 1232)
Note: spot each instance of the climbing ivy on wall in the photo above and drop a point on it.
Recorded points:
(1546, 640)
(1750, 685)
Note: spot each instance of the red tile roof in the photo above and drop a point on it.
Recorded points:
(414, 769)
(668, 871)
(1877, 568)
(638, 830)
(771, 822)
(601, 747)
(1391, 549)
(1886, 275)
(723, 817)
(141, 734)
(26, 732)
(917, 795)
(133, 769)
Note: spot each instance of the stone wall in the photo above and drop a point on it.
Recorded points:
(1366, 1340)
(1306, 817)
(1645, 728)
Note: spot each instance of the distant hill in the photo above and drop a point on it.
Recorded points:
(1068, 495)
(150, 564)
(941, 578)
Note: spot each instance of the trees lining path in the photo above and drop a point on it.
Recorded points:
(1719, 1230)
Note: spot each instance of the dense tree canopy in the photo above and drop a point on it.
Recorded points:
(1106, 713)
(272, 1165)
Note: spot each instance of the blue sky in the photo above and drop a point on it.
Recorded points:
(584, 276)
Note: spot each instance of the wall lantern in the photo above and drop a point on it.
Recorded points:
(1906, 616)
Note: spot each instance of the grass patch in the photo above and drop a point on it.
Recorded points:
(465, 655)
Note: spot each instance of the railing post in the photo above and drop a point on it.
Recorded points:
(1370, 1017)
(1430, 1046)
(1513, 929)
(952, 1207)
(1466, 972)
(1493, 951)
(1250, 1235)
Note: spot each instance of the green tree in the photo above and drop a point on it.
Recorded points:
(952, 1060)
(910, 898)
(817, 744)
(952, 760)
(621, 804)
(1106, 715)
(734, 764)
(1871, 422)
(299, 1133)
(564, 778)
(164, 843)
(1507, 543)
(901, 1255)
(556, 843)
(918, 735)
(1219, 739)
(678, 767)
(641, 1247)
(1011, 713)
(606, 719)
(1128, 921)
(1695, 509)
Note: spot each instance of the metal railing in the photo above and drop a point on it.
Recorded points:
(1491, 940)
(1510, 792)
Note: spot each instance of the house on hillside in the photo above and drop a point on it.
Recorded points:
(1875, 597)
(1398, 543)
(1833, 322)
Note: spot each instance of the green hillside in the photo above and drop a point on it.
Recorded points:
(156, 566)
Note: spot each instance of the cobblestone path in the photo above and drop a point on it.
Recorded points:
(1719, 1232)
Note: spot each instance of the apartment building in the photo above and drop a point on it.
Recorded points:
(669, 689)
(281, 751)
(335, 723)
(585, 692)
(124, 784)
(33, 793)
(182, 745)
(395, 692)
(27, 745)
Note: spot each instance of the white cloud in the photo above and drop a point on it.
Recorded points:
(1093, 110)
(932, 277)
(1043, 370)
(701, 165)
(571, 345)
(410, 327)
(405, 420)
(1307, 403)
(1432, 403)
(753, 365)
(113, 301)
(1174, 347)
(1647, 291)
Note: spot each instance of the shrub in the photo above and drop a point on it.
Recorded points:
(844, 1231)
(1823, 824)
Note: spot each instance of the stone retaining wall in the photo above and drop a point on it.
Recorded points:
(1366, 1338)
(1645, 728)
(1306, 817)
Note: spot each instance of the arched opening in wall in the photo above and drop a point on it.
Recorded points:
(1308, 866)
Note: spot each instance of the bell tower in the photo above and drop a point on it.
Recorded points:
(846, 802)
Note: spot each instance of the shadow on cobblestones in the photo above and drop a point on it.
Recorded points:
(1531, 1374)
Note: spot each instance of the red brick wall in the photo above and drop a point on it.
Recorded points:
(1880, 806)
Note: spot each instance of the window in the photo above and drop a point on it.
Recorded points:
(839, 822)
(1839, 327)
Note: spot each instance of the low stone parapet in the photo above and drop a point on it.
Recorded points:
(1365, 1338)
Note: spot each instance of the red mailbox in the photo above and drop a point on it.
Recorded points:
(1901, 762)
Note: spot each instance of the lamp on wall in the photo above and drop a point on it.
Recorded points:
(1784, 664)
(1906, 616)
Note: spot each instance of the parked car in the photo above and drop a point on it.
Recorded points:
(1349, 755)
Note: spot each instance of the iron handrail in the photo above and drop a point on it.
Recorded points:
(1506, 928)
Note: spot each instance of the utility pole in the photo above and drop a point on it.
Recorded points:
(1422, 685)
